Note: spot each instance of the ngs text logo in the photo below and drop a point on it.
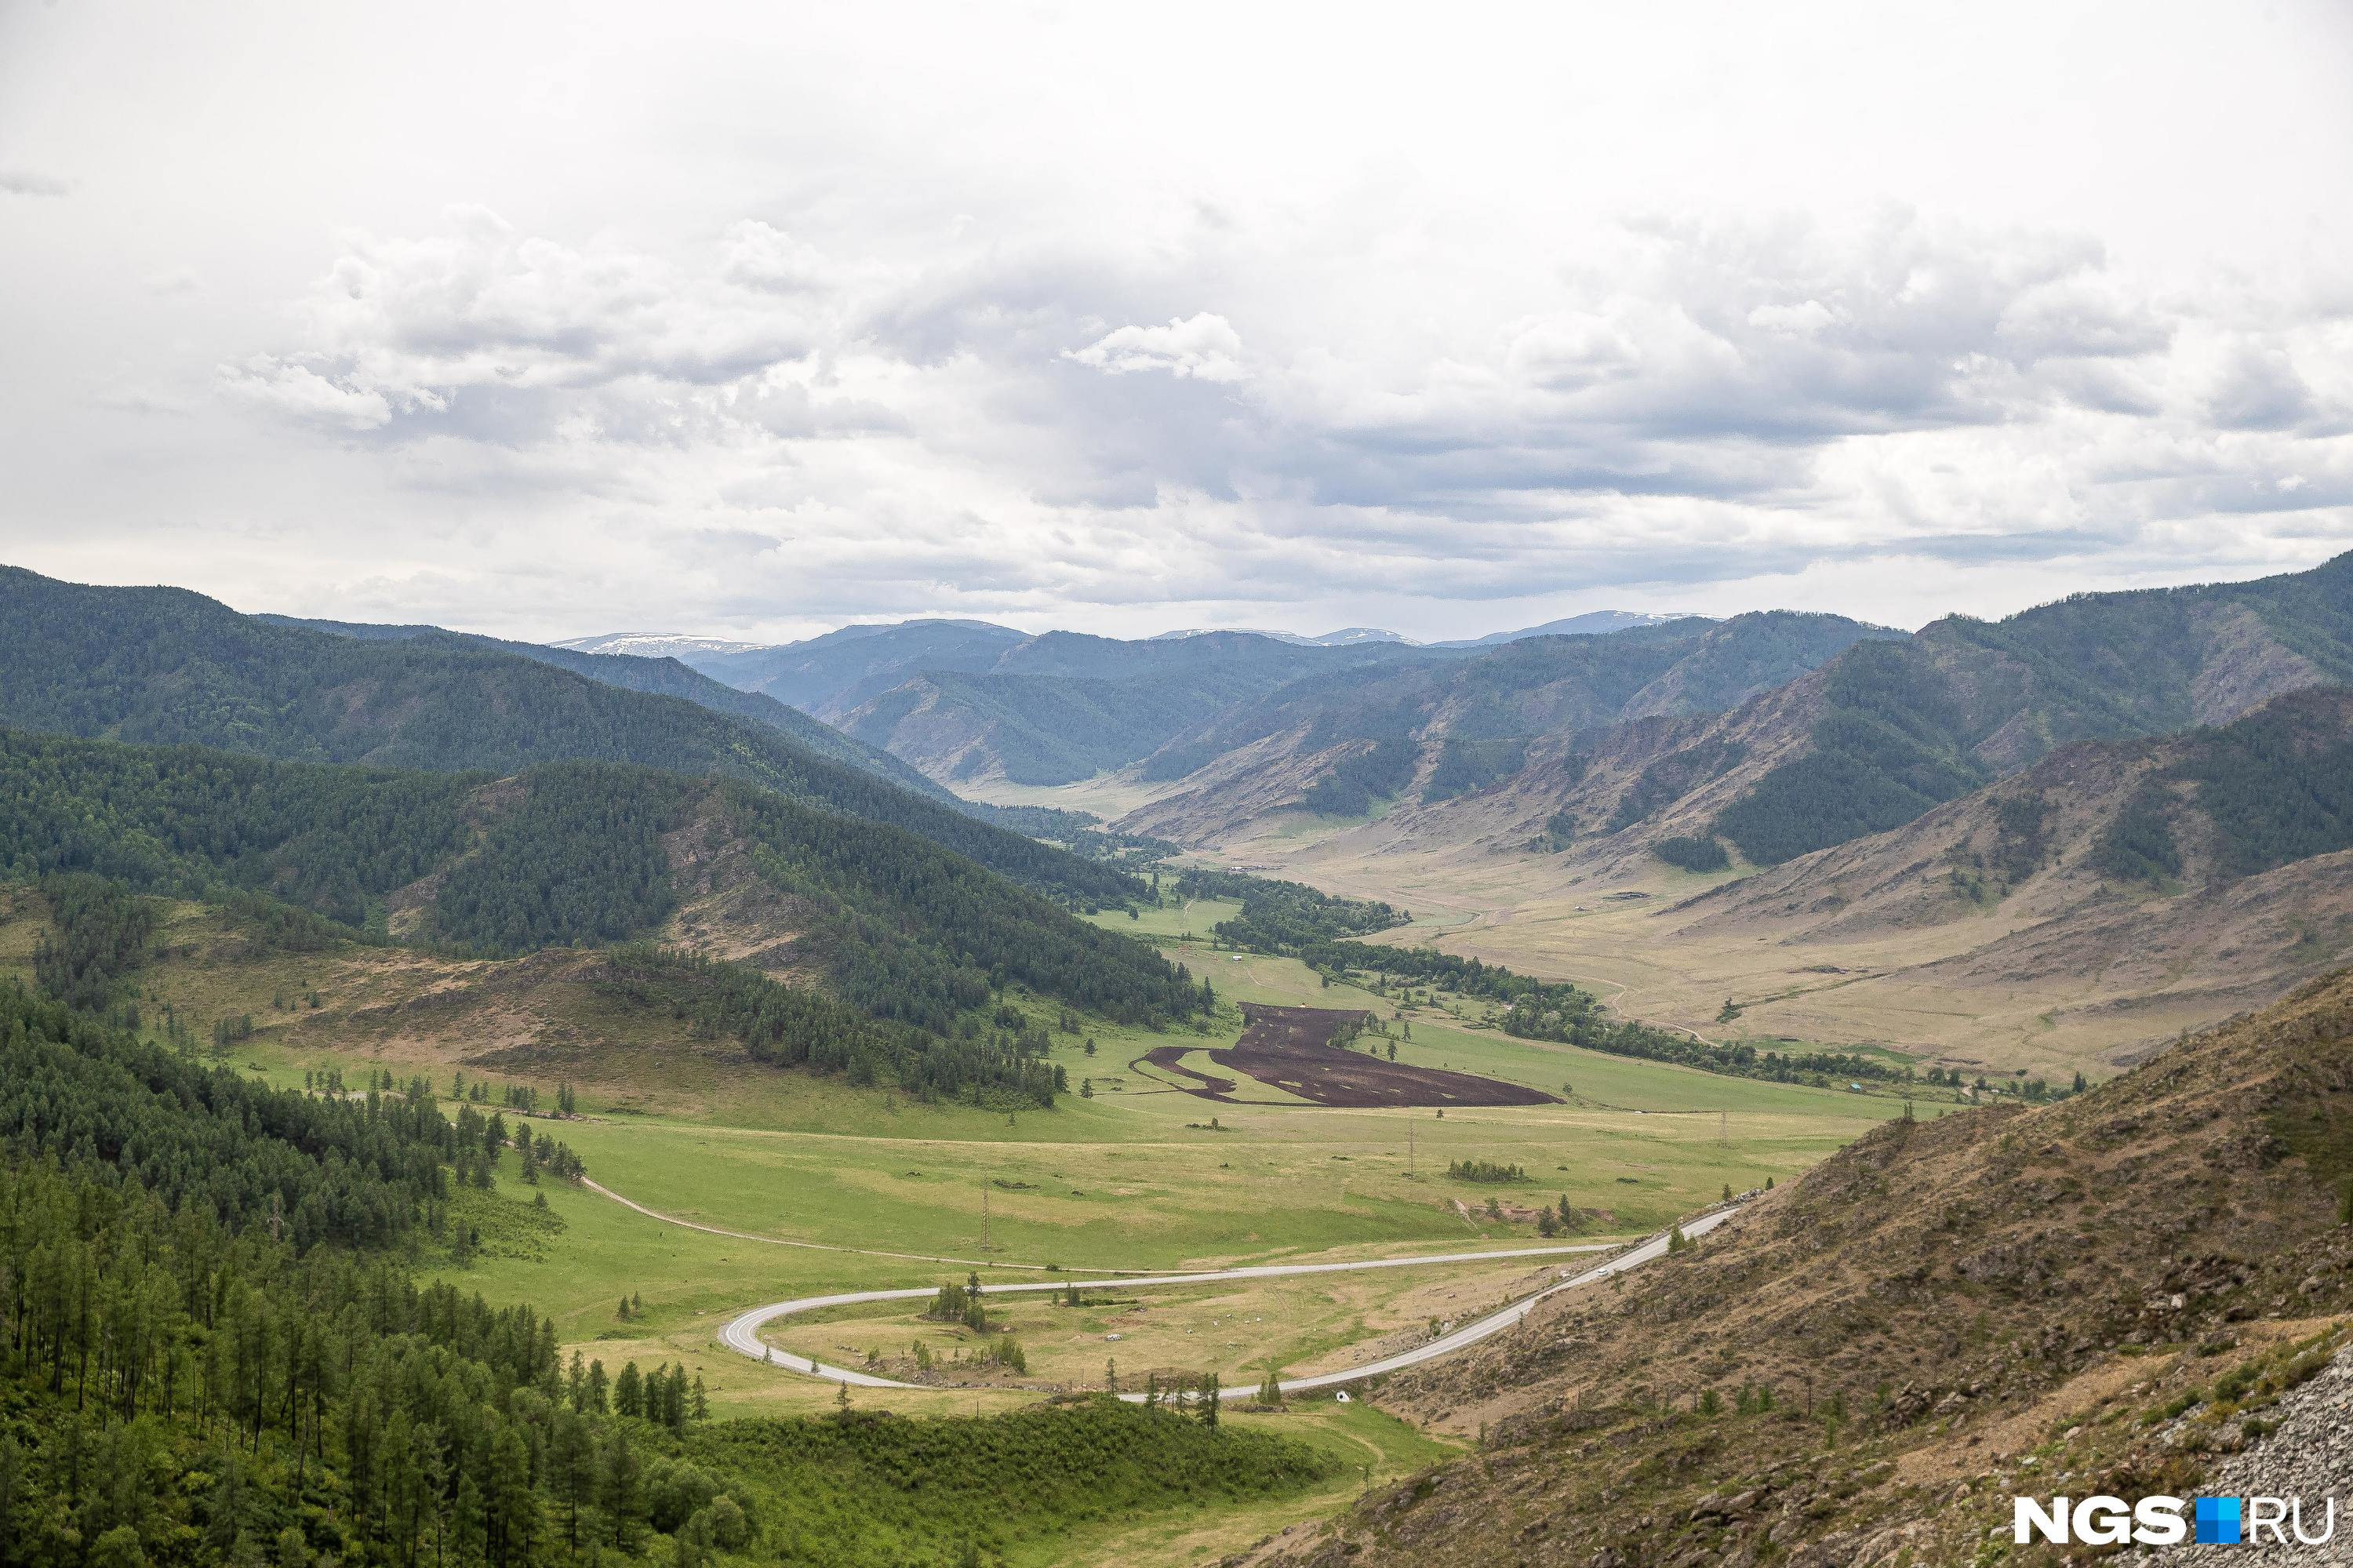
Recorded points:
(2166, 1521)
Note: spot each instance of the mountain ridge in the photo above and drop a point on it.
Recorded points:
(1892, 727)
(664, 675)
(1498, 709)
(166, 666)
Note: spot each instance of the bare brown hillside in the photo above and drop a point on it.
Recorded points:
(2100, 1295)
(1581, 757)
(1784, 756)
(1994, 933)
(2018, 888)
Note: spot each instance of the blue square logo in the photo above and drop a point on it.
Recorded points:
(2218, 1522)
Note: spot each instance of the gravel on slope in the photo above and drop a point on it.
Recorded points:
(2310, 1455)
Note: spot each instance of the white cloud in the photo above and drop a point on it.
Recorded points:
(2256, 387)
(1697, 400)
(759, 256)
(298, 392)
(761, 318)
(1204, 347)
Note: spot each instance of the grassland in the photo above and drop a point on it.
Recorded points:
(1137, 1176)
(1133, 1177)
(1917, 988)
(1239, 1329)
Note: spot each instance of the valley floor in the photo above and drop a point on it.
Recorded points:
(2010, 987)
(1128, 1174)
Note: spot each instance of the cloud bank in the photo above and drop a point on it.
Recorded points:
(761, 363)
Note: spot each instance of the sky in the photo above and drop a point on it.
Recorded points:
(751, 321)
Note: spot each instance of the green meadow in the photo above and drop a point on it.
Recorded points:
(1127, 1173)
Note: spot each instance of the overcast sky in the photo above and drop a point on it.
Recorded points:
(549, 320)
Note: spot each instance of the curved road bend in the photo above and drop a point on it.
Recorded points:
(743, 1334)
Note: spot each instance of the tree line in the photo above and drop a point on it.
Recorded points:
(1285, 917)
(212, 1352)
(1567, 1013)
(1376, 772)
(795, 1026)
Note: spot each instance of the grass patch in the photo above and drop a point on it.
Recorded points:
(835, 1491)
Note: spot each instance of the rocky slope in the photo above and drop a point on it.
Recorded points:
(2104, 1294)
(2303, 1450)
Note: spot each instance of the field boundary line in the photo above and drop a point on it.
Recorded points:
(1125, 1274)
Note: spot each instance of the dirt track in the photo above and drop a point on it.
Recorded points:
(1171, 1059)
(1292, 1049)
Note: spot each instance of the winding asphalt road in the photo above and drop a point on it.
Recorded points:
(743, 1334)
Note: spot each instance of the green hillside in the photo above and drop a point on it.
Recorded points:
(1906, 726)
(2275, 788)
(569, 853)
(166, 666)
(666, 678)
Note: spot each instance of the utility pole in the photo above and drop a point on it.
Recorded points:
(1408, 1137)
(984, 1214)
(1724, 1130)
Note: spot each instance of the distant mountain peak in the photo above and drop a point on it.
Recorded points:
(653, 645)
(1345, 637)
(1350, 634)
(1592, 623)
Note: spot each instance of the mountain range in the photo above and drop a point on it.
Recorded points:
(1916, 815)
(476, 809)
(673, 645)
(1921, 827)
(653, 644)
(1779, 735)
(967, 702)
(2098, 823)
(164, 666)
(1768, 736)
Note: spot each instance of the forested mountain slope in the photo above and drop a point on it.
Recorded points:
(2167, 818)
(664, 676)
(163, 665)
(572, 853)
(1900, 728)
(1890, 728)
(2197, 873)
(1432, 731)
(2096, 1297)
